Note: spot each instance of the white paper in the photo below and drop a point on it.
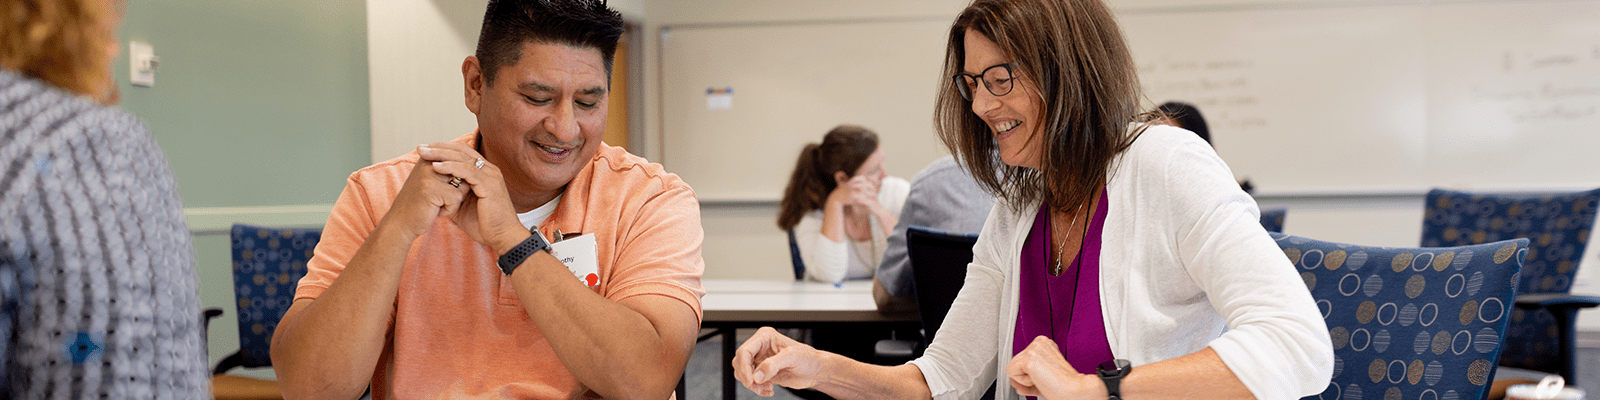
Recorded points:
(580, 255)
(719, 101)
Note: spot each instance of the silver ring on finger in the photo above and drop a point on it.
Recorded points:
(456, 181)
(479, 163)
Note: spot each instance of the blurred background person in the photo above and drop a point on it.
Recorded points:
(840, 205)
(943, 196)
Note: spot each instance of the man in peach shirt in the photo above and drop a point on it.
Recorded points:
(435, 277)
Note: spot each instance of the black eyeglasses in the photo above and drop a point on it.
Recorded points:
(997, 79)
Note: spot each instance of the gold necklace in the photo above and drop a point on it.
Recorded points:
(1056, 271)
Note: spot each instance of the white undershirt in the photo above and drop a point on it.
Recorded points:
(536, 216)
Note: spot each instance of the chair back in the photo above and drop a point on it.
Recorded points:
(267, 265)
(794, 257)
(1272, 219)
(1558, 227)
(938, 269)
(1410, 323)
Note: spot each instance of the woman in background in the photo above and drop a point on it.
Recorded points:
(1186, 116)
(1120, 259)
(98, 295)
(841, 205)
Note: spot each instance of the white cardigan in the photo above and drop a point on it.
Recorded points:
(1184, 264)
(830, 261)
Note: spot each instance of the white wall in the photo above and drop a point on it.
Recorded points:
(415, 51)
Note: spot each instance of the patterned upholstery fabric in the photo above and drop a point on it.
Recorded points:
(267, 264)
(1558, 226)
(1410, 323)
(1273, 219)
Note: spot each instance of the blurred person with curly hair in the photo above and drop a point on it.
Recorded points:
(98, 295)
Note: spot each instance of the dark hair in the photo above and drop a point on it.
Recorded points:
(1074, 53)
(1187, 117)
(508, 24)
(844, 149)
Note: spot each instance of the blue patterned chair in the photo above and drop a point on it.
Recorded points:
(794, 257)
(267, 265)
(1410, 323)
(1559, 225)
(1273, 219)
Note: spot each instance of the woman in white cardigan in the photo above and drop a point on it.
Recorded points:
(841, 204)
(1121, 260)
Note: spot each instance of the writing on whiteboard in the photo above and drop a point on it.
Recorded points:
(1528, 60)
(1544, 85)
(1221, 88)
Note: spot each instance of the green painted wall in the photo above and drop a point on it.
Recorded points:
(256, 103)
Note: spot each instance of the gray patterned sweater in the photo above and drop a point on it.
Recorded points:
(98, 294)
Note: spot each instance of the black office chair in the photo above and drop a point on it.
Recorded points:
(938, 270)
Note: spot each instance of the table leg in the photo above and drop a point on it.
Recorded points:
(729, 335)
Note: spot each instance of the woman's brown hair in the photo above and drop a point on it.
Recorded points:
(62, 42)
(1074, 53)
(844, 149)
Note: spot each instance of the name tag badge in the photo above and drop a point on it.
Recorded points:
(581, 256)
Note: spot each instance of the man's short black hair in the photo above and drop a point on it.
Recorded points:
(508, 24)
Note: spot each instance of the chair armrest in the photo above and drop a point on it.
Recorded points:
(206, 316)
(1556, 300)
(210, 313)
(230, 362)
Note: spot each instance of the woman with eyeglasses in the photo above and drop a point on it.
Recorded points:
(1120, 259)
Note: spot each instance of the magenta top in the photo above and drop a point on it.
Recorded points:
(1064, 308)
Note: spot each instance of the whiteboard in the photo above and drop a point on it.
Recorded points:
(1515, 95)
(791, 83)
(1327, 98)
(1297, 100)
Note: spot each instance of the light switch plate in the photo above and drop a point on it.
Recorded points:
(142, 62)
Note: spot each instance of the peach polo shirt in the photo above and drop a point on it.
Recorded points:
(458, 328)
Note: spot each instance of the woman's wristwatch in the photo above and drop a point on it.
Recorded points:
(1112, 372)
(533, 244)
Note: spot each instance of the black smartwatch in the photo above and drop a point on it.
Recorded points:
(533, 244)
(1112, 372)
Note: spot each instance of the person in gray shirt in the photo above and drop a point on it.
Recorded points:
(943, 196)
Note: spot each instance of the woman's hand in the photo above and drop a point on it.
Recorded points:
(769, 358)
(858, 191)
(485, 212)
(1040, 370)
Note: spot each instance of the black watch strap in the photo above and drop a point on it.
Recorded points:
(533, 244)
(1112, 372)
